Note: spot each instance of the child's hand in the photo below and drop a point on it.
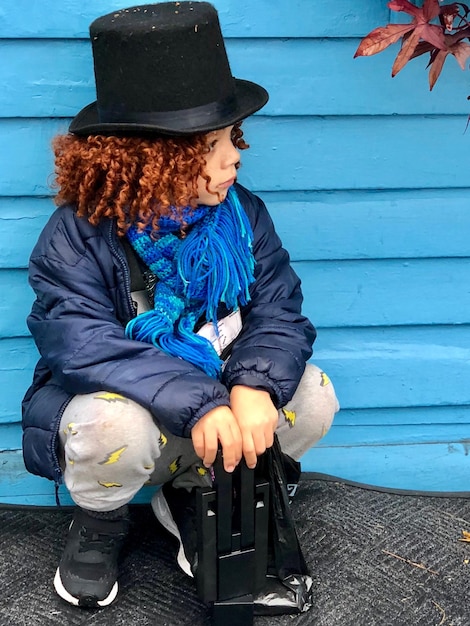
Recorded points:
(257, 418)
(219, 425)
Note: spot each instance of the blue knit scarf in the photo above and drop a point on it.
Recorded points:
(213, 264)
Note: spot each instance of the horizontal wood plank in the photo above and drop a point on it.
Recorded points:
(372, 225)
(438, 467)
(30, 156)
(434, 416)
(11, 436)
(355, 153)
(21, 221)
(302, 76)
(18, 358)
(393, 435)
(386, 292)
(239, 18)
(313, 226)
(338, 153)
(397, 367)
(370, 368)
(336, 293)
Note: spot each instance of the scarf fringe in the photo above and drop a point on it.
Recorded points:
(214, 264)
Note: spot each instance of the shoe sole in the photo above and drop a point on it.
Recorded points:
(65, 595)
(163, 514)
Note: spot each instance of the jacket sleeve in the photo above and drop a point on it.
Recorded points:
(276, 339)
(80, 338)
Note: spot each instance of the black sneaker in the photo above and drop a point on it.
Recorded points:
(175, 509)
(88, 570)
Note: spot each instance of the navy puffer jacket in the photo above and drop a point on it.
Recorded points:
(80, 275)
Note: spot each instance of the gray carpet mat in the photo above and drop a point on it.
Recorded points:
(377, 559)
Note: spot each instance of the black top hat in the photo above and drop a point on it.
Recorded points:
(163, 68)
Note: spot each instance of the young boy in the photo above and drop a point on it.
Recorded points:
(142, 382)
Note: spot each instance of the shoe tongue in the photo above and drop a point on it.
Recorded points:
(101, 543)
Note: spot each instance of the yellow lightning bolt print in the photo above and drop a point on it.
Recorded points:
(324, 380)
(70, 429)
(201, 470)
(163, 440)
(109, 485)
(290, 417)
(112, 397)
(174, 465)
(113, 457)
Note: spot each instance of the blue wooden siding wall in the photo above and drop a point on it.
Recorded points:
(367, 180)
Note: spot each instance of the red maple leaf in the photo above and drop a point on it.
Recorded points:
(418, 30)
(455, 46)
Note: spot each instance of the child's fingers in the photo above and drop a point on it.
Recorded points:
(249, 450)
(231, 442)
(207, 445)
(256, 443)
(268, 438)
(197, 437)
(219, 425)
(205, 442)
(211, 445)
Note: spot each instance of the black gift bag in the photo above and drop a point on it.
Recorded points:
(249, 558)
(288, 587)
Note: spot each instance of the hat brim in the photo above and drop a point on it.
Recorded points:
(249, 98)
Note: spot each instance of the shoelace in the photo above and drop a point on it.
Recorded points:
(100, 542)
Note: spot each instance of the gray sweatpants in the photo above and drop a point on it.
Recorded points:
(111, 446)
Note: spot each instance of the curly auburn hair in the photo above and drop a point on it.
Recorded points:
(132, 179)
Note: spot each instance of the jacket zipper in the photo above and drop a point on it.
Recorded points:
(132, 312)
(57, 469)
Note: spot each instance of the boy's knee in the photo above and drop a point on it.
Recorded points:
(107, 421)
(309, 415)
(316, 395)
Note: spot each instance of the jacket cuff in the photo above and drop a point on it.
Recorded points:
(202, 411)
(256, 380)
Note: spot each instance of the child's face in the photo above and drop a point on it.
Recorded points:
(221, 164)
